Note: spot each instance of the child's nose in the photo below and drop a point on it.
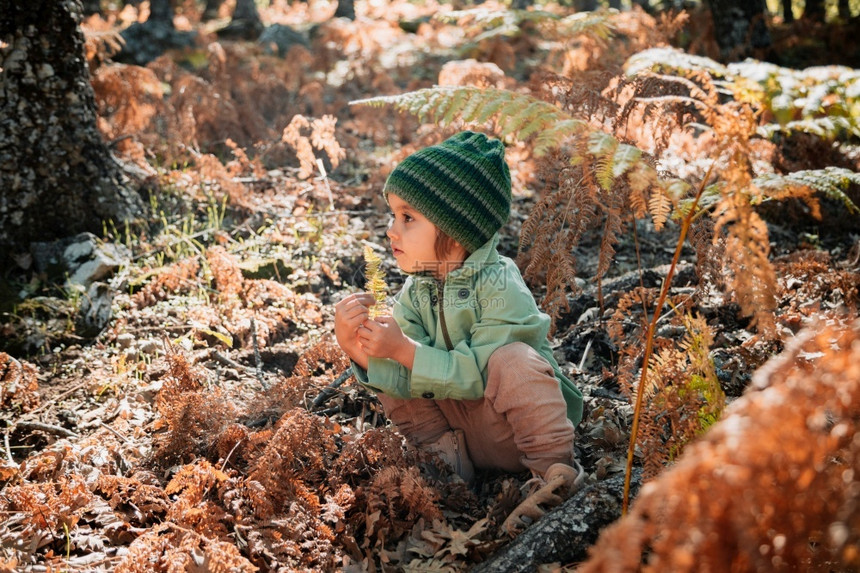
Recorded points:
(390, 232)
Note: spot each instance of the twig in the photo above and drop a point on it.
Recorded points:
(649, 341)
(71, 390)
(331, 389)
(233, 449)
(6, 443)
(227, 361)
(257, 361)
(114, 432)
(50, 428)
(585, 354)
(324, 177)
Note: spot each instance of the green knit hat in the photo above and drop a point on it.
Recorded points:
(461, 185)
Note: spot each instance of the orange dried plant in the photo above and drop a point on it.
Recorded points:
(771, 487)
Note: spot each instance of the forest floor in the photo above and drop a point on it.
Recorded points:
(188, 431)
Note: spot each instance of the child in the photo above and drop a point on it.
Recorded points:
(464, 368)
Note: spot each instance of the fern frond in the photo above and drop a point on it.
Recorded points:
(660, 206)
(830, 182)
(824, 127)
(520, 115)
(626, 157)
(493, 18)
(594, 24)
(671, 60)
(375, 281)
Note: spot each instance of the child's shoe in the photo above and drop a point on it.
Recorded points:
(560, 481)
(451, 449)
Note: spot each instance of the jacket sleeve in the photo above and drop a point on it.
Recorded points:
(509, 315)
(385, 375)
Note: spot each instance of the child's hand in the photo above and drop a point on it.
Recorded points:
(349, 314)
(382, 338)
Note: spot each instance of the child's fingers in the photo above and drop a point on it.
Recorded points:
(355, 299)
(365, 298)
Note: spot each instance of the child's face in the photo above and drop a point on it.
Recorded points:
(413, 240)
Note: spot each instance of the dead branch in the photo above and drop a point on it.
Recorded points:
(564, 534)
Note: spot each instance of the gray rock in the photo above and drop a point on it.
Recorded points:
(278, 39)
(125, 340)
(148, 346)
(84, 259)
(146, 41)
(94, 313)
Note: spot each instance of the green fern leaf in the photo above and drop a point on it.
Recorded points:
(830, 181)
(596, 25)
(521, 115)
(602, 146)
(672, 59)
(560, 130)
(626, 157)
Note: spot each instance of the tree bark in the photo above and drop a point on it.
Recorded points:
(245, 24)
(739, 26)
(564, 534)
(844, 9)
(345, 9)
(787, 12)
(92, 7)
(210, 12)
(814, 10)
(57, 175)
(161, 11)
(584, 5)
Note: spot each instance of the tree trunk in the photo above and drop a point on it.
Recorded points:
(584, 5)
(615, 4)
(844, 9)
(814, 10)
(92, 7)
(739, 26)
(161, 11)
(246, 23)
(564, 534)
(787, 12)
(345, 9)
(57, 175)
(210, 12)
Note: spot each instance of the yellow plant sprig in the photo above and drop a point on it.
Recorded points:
(375, 282)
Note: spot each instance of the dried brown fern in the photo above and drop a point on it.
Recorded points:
(180, 277)
(225, 271)
(47, 507)
(682, 397)
(169, 547)
(145, 503)
(192, 413)
(321, 137)
(19, 387)
(194, 507)
(771, 487)
(301, 449)
(395, 500)
(322, 357)
(129, 98)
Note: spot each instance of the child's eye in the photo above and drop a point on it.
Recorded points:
(407, 218)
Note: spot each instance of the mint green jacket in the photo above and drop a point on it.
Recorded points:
(483, 306)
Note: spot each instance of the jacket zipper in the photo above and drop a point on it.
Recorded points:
(440, 289)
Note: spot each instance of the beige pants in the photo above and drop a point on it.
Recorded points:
(520, 423)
